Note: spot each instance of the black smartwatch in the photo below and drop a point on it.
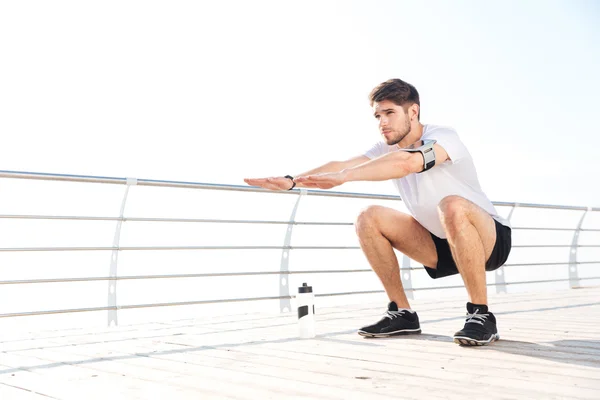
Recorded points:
(292, 179)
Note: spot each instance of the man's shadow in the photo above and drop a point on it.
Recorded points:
(576, 352)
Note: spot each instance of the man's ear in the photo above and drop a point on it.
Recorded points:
(413, 112)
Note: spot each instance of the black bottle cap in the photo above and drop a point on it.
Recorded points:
(305, 288)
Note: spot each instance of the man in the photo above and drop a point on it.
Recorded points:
(453, 227)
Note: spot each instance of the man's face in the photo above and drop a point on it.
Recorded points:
(394, 123)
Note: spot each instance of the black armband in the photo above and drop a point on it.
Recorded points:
(425, 147)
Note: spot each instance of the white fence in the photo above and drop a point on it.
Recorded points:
(78, 251)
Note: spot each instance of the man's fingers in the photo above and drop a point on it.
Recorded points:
(309, 178)
(312, 185)
(255, 181)
(316, 180)
(267, 184)
(261, 182)
(320, 185)
(275, 182)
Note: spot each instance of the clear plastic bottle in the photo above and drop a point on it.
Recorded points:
(306, 311)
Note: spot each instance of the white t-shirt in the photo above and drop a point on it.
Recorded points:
(422, 192)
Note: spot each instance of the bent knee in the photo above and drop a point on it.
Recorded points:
(368, 218)
(452, 208)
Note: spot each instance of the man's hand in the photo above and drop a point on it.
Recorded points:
(273, 183)
(326, 180)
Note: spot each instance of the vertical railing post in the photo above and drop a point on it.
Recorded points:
(573, 266)
(500, 274)
(285, 304)
(112, 283)
(406, 277)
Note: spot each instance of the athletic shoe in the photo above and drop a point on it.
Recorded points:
(480, 327)
(394, 322)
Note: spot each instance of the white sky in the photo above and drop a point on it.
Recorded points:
(218, 91)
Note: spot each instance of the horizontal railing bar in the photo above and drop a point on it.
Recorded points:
(507, 283)
(42, 176)
(240, 188)
(189, 185)
(127, 307)
(250, 273)
(207, 275)
(550, 206)
(224, 221)
(201, 220)
(554, 245)
(348, 293)
(230, 221)
(59, 217)
(154, 248)
(25, 249)
(553, 229)
(200, 302)
(550, 263)
(243, 188)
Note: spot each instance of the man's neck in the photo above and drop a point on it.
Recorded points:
(415, 134)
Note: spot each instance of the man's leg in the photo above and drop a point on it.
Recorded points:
(471, 234)
(381, 229)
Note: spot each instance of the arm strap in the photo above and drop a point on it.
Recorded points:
(425, 147)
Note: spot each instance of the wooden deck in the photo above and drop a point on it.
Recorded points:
(549, 348)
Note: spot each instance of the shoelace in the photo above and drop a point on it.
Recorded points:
(394, 314)
(476, 318)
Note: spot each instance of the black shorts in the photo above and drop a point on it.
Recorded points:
(446, 265)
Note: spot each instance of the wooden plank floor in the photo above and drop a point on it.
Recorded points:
(549, 349)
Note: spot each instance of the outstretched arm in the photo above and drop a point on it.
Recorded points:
(282, 183)
(393, 165)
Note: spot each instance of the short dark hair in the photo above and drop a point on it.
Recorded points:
(396, 90)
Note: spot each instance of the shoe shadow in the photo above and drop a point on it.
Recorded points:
(574, 352)
(422, 336)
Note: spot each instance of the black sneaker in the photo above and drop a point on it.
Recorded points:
(393, 323)
(480, 327)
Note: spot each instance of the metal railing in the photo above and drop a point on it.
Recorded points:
(284, 296)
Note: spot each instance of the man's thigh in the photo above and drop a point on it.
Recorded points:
(481, 220)
(406, 235)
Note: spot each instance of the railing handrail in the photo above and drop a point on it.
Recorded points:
(244, 188)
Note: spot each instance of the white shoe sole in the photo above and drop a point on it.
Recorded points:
(388, 334)
(467, 341)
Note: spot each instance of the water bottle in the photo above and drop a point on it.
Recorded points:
(306, 311)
